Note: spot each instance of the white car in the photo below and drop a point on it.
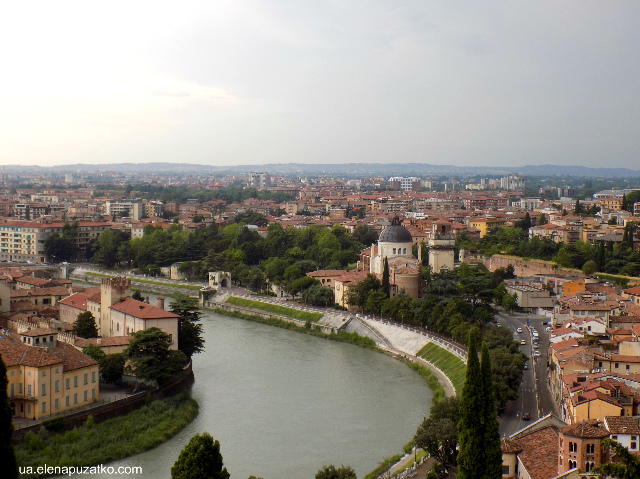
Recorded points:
(536, 353)
(519, 330)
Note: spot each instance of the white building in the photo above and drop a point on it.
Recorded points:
(133, 209)
(259, 180)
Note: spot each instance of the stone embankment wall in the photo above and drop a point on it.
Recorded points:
(523, 267)
(116, 408)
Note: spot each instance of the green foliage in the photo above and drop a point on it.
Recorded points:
(383, 467)
(200, 459)
(438, 434)
(386, 287)
(94, 352)
(471, 462)
(109, 440)
(274, 308)
(112, 368)
(151, 358)
(106, 247)
(137, 295)
(627, 467)
(7, 453)
(492, 447)
(62, 247)
(318, 295)
(85, 325)
(190, 340)
(589, 267)
(448, 363)
(330, 472)
(55, 424)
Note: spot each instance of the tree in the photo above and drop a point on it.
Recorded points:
(470, 427)
(94, 352)
(330, 472)
(577, 209)
(190, 340)
(59, 248)
(627, 468)
(137, 295)
(85, 325)
(151, 357)
(386, 287)
(542, 219)
(7, 453)
(492, 447)
(200, 459)
(589, 267)
(439, 437)
(112, 368)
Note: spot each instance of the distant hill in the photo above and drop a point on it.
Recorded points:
(344, 170)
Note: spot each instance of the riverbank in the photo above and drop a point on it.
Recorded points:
(113, 439)
(342, 336)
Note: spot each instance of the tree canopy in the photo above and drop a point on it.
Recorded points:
(200, 459)
(151, 357)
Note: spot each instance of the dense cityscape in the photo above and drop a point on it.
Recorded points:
(541, 273)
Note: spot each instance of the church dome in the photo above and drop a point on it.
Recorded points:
(396, 233)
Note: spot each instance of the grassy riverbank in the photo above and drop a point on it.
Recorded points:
(123, 436)
(430, 378)
(447, 362)
(342, 336)
(148, 281)
(274, 309)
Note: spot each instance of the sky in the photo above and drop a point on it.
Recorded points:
(217, 82)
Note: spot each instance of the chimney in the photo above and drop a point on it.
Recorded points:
(160, 303)
(146, 300)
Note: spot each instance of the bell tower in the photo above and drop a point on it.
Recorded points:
(442, 244)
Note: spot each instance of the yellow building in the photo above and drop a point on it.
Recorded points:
(574, 287)
(46, 377)
(485, 224)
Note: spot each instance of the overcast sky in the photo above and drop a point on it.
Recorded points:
(248, 82)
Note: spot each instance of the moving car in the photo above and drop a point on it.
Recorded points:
(526, 366)
(526, 416)
(522, 341)
(519, 330)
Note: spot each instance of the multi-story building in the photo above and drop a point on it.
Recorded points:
(513, 183)
(46, 376)
(402, 183)
(259, 180)
(24, 240)
(133, 209)
(484, 203)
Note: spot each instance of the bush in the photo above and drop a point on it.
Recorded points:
(589, 268)
(54, 425)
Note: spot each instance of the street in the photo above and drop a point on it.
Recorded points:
(534, 395)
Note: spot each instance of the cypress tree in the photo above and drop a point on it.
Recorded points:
(7, 454)
(625, 203)
(386, 286)
(471, 464)
(600, 260)
(492, 446)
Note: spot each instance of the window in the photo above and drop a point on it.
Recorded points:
(627, 367)
(615, 438)
(55, 385)
(44, 389)
(67, 384)
(86, 380)
(93, 376)
(12, 390)
(44, 407)
(591, 448)
(571, 447)
(29, 409)
(28, 389)
(85, 395)
(28, 373)
(617, 365)
(600, 364)
(404, 250)
(56, 405)
(505, 470)
(75, 381)
(44, 374)
(75, 398)
(57, 370)
(93, 393)
(67, 401)
(394, 251)
(19, 388)
(634, 445)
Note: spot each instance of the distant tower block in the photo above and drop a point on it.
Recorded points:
(111, 290)
(442, 244)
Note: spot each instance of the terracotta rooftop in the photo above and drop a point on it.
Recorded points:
(54, 291)
(77, 300)
(622, 424)
(138, 309)
(509, 446)
(540, 452)
(38, 332)
(584, 430)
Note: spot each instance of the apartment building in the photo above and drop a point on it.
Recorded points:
(133, 209)
(402, 183)
(23, 241)
(259, 180)
(46, 376)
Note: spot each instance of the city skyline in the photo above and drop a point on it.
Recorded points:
(229, 84)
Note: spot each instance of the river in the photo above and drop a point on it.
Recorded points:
(283, 404)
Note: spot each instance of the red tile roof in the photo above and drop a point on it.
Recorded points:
(77, 300)
(539, 453)
(138, 309)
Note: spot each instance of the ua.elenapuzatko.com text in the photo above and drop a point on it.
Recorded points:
(101, 470)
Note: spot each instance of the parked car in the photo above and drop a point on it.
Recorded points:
(526, 366)
(548, 328)
(536, 353)
(526, 416)
(535, 345)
